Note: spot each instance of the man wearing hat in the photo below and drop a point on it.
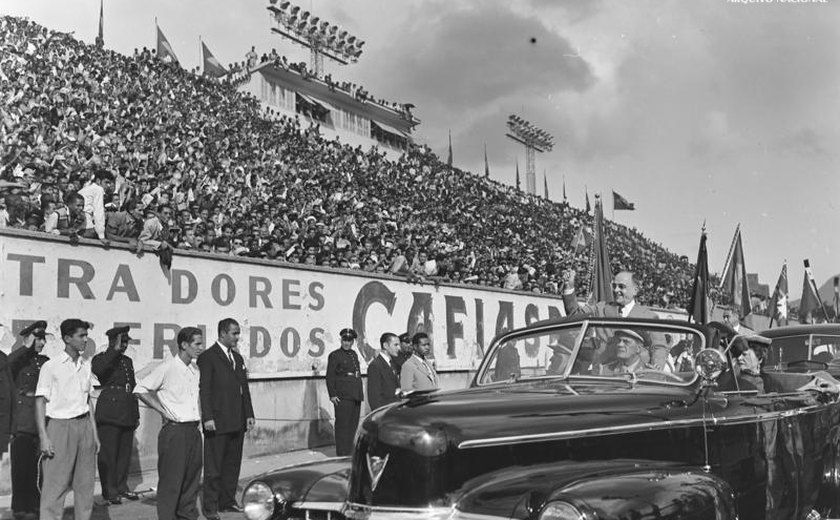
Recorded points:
(25, 364)
(117, 415)
(406, 350)
(752, 358)
(344, 385)
(629, 347)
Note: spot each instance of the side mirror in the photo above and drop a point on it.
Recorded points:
(709, 365)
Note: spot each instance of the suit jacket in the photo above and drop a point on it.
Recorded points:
(116, 404)
(383, 383)
(415, 375)
(344, 377)
(25, 365)
(223, 390)
(603, 309)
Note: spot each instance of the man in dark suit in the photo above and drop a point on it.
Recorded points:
(227, 414)
(117, 415)
(406, 350)
(383, 381)
(344, 385)
(625, 288)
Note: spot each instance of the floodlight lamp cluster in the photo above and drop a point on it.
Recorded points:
(318, 34)
(529, 134)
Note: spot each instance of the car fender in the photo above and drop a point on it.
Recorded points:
(603, 489)
(323, 482)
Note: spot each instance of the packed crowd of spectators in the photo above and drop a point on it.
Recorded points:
(186, 162)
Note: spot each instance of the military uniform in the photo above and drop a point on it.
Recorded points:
(25, 364)
(344, 381)
(117, 416)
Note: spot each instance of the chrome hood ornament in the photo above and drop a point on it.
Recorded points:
(375, 467)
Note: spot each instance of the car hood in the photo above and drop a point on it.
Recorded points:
(533, 408)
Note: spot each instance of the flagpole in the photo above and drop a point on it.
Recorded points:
(200, 58)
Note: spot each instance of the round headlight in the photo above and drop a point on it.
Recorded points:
(709, 364)
(559, 510)
(258, 501)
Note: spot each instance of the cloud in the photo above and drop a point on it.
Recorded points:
(465, 58)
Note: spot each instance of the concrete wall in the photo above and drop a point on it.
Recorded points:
(292, 414)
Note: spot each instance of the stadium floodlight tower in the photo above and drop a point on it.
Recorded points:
(321, 37)
(535, 140)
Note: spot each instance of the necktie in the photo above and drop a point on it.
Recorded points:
(230, 357)
(621, 312)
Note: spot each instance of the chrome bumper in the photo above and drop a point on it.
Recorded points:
(365, 512)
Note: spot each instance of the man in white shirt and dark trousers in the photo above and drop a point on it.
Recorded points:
(94, 195)
(68, 437)
(171, 389)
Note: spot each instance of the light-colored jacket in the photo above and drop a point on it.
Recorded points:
(417, 375)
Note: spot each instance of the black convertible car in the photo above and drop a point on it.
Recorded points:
(588, 419)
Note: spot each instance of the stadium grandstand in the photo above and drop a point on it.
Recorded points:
(241, 183)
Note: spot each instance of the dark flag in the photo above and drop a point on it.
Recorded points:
(449, 158)
(517, 174)
(545, 187)
(779, 302)
(620, 202)
(588, 207)
(601, 271)
(100, 38)
(734, 284)
(810, 297)
(212, 67)
(486, 164)
(564, 189)
(164, 49)
(698, 307)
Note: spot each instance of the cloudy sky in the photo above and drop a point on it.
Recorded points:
(705, 110)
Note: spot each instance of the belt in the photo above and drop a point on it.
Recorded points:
(353, 374)
(126, 387)
(182, 423)
(80, 416)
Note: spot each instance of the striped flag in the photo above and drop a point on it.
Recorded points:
(779, 302)
(734, 283)
(164, 49)
(212, 67)
(810, 298)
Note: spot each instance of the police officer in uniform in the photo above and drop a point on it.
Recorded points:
(344, 385)
(117, 415)
(25, 364)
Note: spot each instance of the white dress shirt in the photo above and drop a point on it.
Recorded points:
(623, 312)
(66, 385)
(94, 196)
(175, 384)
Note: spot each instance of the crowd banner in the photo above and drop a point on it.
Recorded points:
(290, 315)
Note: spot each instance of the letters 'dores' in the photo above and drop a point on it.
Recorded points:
(290, 317)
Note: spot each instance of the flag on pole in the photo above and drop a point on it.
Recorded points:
(100, 38)
(486, 164)
(601, 270)
(582, 240)
(779, 302)
(449, 158)
(810, 297)
(588, 207)
(837, 297)
(212, 67)
(545, 187)
(564, 189)
(620, 202)
(517, 174)
(734, 283)
(164, 49)
(698, 306)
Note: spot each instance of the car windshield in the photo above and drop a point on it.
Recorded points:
(643, 352)
(790, 349)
